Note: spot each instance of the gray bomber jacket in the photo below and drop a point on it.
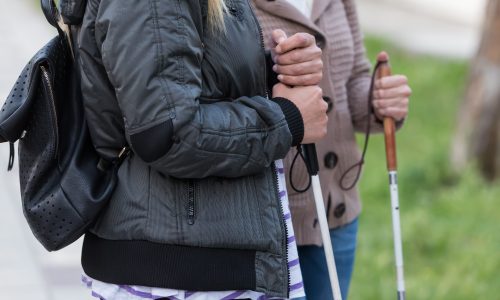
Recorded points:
(196, 206)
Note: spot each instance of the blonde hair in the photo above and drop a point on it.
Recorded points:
(216, 10)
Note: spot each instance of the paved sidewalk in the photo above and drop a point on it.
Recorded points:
(27, 271)
(446, 28)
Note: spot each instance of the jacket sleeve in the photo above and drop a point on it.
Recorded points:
(358, 85)
(152, 56)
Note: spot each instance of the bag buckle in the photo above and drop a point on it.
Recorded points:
(105, 165)
(123, 154)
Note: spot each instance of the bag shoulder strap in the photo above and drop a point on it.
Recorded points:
(55, 19)
(51, 13)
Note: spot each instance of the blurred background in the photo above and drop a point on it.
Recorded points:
(448, 154)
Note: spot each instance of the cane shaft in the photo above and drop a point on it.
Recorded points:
(311, 160)
(390, 152)
(396, 231)
(325, 236)
(389, 127)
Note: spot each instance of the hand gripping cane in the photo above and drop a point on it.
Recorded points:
(311, 161)
(390, 151)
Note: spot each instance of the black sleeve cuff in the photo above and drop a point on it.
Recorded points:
(293, 118)
(272, 77)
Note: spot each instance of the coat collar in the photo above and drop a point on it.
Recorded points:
(319, 7)
(284, 9)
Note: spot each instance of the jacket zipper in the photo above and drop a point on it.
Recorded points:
(284, 240)
(191, 211)
(262, 47)
(50, 92)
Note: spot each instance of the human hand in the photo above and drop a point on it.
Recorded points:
(391, 95)
(297, 58)
(312, 107)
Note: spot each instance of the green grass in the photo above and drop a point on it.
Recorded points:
(449, 221)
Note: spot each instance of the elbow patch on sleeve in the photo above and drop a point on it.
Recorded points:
(153, 143)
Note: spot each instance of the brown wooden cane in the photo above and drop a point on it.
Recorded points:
(389, 126)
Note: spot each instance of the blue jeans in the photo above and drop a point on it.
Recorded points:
(313, 263)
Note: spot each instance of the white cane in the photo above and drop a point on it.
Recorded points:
(390, 151)
(312, 167)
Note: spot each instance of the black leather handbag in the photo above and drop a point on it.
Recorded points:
(62, 189)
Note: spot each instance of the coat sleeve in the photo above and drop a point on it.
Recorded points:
(152, 55)
(359, 82)
(358, 85)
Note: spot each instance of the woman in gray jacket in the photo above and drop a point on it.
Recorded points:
(200, 204)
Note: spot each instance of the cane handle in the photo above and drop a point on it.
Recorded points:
(389, 126)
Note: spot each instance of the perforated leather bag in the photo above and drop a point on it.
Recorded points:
(62, 189)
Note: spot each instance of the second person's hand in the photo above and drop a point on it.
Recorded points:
(391, 95)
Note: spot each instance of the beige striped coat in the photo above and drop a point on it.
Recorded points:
(345, 84)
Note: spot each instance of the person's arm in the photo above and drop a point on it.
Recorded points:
(390, 96)
(358, 84)
(152, 56)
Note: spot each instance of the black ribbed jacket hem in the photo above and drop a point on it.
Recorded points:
(168, 266)
(293, 118)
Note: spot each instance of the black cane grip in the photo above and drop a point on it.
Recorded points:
(311, 159)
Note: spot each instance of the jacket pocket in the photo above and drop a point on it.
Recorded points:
(236, 213)
(191, 201)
